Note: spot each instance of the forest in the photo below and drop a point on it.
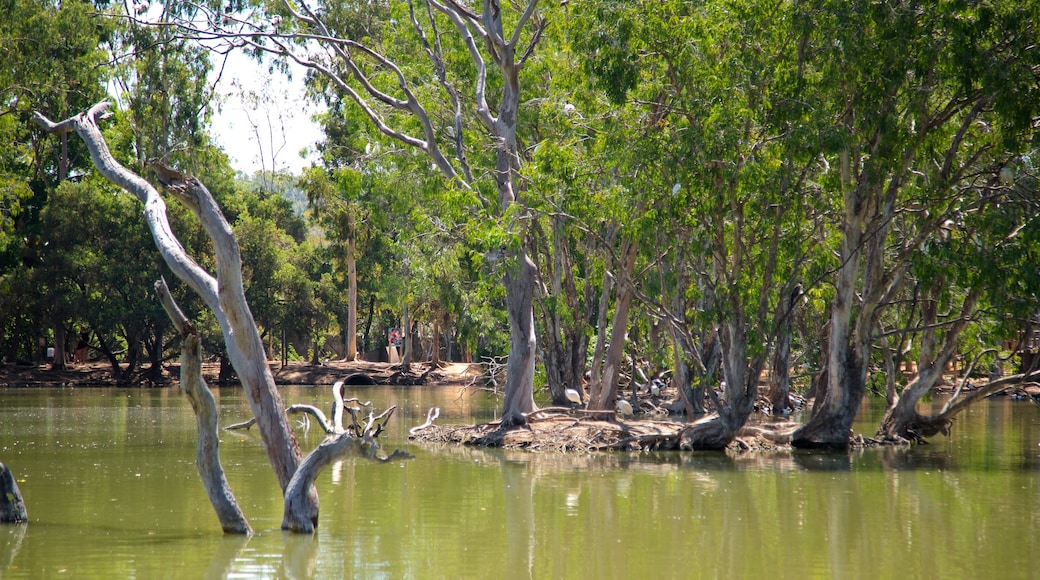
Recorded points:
(756, 203)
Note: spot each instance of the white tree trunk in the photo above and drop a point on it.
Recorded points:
(223, 294)
(207, 454)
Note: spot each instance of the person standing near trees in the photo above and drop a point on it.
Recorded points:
(81, 348)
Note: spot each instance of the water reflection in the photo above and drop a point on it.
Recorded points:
(227, 551)
(11, 536)
(112, 492)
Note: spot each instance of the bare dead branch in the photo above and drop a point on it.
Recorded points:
(315, 412)
(431, 416)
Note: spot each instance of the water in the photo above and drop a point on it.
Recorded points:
(109, 481)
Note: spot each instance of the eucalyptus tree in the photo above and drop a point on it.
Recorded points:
(224, 295)
(161, 84)
(929, 104)
(724, 180)
(86, 227)
(423, 108)
(53, 60)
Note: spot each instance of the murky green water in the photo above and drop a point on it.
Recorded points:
(109, 480)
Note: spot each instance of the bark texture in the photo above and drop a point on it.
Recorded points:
(207, 454)
(519, 399)
(901, 420)
(604, 392)
(222, 293)
(12, 506)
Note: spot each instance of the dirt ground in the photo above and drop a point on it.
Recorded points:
(98, 374)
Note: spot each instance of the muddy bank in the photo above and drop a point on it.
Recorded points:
(97, 374)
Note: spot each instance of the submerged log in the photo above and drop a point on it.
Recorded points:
(12, 506)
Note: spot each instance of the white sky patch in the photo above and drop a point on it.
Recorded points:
(262, 119)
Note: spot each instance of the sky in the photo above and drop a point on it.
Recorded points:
(262, 120)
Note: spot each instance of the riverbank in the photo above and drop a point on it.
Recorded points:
(99, 374)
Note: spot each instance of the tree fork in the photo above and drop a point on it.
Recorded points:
(223, 293)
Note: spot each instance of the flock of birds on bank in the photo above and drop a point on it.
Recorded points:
(622, 405)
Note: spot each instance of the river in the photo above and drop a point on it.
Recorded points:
(110, 485)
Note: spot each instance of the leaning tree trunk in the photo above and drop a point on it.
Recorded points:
(901, 421)
(223, 294)
(717, 431)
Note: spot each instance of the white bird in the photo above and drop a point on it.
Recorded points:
(568, 109)
(1007, 178)
(276, 20)
(625, 408)
(655, 390)
(572, 396)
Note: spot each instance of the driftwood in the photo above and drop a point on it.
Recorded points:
(431, 416)
(12, 506)
(207, 455)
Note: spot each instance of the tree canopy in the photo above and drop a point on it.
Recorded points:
(735, 197)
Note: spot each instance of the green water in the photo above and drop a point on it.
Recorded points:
(109, 481)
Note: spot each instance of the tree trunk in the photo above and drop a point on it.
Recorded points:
(602, 312)
(435, 348)
(831, 423)
(207, 454)
(519, 396)
(780, 377)
(564, 319)
(406, 340)
(223, 294)
(901, 421)
(12, 506)
(59, 346)
(351, 351)
(113, 361)
(603, 395)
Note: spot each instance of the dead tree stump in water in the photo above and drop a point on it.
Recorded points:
(12, 506)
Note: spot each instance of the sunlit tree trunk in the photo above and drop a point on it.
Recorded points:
(351, 351)
(223, 294)
(603, 393)
(207, 454)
